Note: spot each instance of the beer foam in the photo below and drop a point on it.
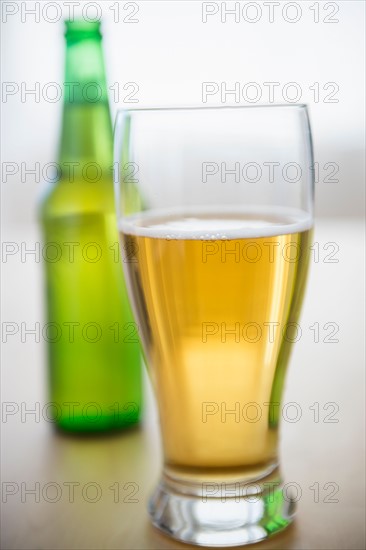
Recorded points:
(212, 224)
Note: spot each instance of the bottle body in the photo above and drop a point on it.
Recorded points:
(93, 350)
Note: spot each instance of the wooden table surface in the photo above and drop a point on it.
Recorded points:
(91, 480)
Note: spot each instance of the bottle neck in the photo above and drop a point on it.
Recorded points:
(86, 125)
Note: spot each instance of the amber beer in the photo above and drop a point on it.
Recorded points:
(202, 284)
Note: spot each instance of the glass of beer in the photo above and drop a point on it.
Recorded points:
(215, 213)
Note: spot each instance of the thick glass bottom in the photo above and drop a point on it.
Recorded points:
(103, 424)
(221, 514)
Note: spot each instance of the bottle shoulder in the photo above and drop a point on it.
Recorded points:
(65, 198)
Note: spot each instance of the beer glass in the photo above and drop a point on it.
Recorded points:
(215, 213)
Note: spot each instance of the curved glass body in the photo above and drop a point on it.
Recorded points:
(215, 208)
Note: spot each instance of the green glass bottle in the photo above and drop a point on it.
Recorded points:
(94, 358)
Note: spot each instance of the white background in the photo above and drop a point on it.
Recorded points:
(169, 52)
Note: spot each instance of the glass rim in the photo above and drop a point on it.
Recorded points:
(213, 107)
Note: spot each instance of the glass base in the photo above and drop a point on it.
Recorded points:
(221, 514)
